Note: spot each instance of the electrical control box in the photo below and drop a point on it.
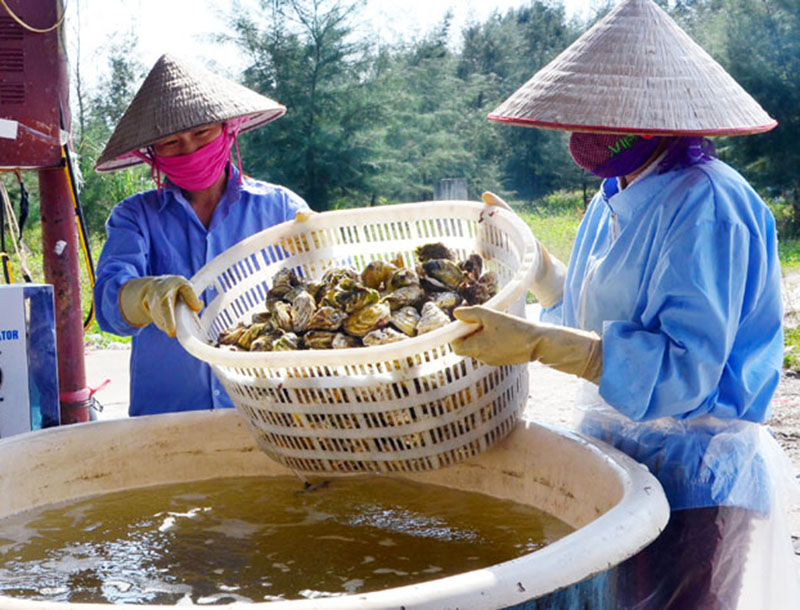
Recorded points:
(32, 79)
(28, 363)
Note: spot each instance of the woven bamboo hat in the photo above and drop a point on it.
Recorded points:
(177, 96)
(635, 72)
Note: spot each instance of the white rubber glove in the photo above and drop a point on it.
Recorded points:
(548, 283)
(152, 299)
(505, 339)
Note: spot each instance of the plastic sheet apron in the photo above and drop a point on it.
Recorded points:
(703, 463)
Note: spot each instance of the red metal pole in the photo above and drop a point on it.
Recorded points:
(60, 246)
(62, 270)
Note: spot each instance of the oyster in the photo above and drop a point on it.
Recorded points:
(351, 296)
(411, 295)
(326, 318)
(405, 319)
(251, 334)
(343, 341)
(360, 322)
(262, 316)
(376, 274)
(431, 251)
(264, 343)
(431, 318)
(231, 335)
(286, 342)
(472, 267)
(442, 273)
(319, 339)
(381, 336)
(447, 300)
(282, 282)
(402, 277)
(302, 310)
(282, 316)
(336, 274)
(480, 291)
(349, 309)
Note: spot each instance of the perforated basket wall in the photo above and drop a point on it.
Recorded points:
(407, 406)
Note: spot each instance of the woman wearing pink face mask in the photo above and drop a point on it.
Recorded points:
(183, 122)
(670, 308)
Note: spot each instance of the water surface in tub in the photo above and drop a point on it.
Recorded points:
(257, 539)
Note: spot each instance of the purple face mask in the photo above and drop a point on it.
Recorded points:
(610, 155)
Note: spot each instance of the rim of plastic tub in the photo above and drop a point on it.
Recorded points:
(616, 535)
(188, 326)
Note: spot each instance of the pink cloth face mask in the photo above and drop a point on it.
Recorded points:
(200, 169)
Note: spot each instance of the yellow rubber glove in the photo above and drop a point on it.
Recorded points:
(303, 215)
(505, 339)
(548, 283)
(152, 299)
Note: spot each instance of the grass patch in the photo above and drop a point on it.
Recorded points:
(791, 354)
(789, 253)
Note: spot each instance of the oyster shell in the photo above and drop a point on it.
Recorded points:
(381, 336)
(282, 316)
(447, 300)
(442, 273)
(264, 343)
(231, 335)
(319, 339)
(402, 277)
(251, 334)
(262, 316)
(286, 342)
(343, 341)
(282, 282)
(360, 322)
(326, 318)
(302, 310)
(472, 267)
(482, 290)
(411, 295)
(351, 297)
(376, 274)
(431, 318)
(336, 274)
(427, 252)
(405, 319)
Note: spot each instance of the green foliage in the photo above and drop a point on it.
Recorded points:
(791, 357)
(101, 112)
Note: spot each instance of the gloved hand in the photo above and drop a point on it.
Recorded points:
(153, 298)
(548, 283)
(303, 215)
(505, 339)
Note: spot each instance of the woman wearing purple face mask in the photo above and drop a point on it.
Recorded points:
(184, 123)
(670, 307)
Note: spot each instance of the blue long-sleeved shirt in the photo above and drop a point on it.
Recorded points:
(679, 274)
(155, 233)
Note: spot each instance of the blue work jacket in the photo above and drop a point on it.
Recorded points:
(679, 275)
(154, 233)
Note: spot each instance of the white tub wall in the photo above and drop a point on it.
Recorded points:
(87, 459)
(559, 473)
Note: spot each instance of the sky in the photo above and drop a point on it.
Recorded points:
(185, 27)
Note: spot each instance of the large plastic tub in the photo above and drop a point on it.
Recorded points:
(616, 506)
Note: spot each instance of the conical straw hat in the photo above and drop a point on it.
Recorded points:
(634, 72)
(177, 96)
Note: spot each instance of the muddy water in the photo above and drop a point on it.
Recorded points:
(253, 539)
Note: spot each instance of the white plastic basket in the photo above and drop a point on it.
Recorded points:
(407, 406)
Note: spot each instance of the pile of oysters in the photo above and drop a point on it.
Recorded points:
(386, 302)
